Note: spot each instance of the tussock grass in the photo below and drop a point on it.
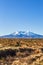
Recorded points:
(21, 51)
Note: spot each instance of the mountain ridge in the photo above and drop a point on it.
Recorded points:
(22, 34)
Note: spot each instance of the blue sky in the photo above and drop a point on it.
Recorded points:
(21, 15)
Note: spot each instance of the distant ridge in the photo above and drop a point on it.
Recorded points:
(22, 34)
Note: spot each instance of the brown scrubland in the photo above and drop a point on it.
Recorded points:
(20, 51)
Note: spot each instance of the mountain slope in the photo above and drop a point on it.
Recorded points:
(22, 34)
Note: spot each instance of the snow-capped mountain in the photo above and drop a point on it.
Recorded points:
(22, 34)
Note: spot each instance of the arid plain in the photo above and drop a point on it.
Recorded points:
(15, 51)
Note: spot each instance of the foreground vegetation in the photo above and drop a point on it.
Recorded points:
(21, 51)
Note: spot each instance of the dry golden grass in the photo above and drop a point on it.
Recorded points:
(21, 51)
